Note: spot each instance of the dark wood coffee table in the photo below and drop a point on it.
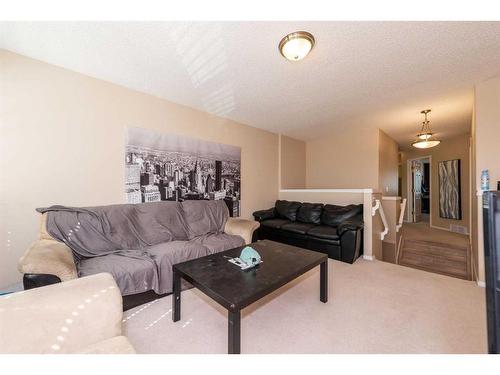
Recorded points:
(235, 289)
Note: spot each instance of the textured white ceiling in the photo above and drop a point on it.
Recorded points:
(358, 74)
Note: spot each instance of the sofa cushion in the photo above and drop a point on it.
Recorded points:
(310, 213)
(218, 242)
(134, 226)
(274, 223)
(287, 210)
(203, 217)
(132, 274)
(98, 231)
(167, 254)
(333, 215)
(324, 232)
(296, 227)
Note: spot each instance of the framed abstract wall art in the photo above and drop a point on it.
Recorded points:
(450, 200)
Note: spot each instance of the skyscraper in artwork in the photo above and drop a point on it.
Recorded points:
(218, 175)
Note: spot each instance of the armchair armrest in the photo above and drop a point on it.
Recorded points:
(264, 214)
(48, 257)
(241, 227)
(61, 318)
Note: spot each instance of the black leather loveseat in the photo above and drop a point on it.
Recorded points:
(330, 229)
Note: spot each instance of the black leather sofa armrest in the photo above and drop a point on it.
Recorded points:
(350, 232)
(264, 214)
(352, 224)
(36, 280)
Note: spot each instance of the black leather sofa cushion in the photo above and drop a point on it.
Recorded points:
(333, 215)
(274, 223)
(310, 213)
(316, 242)
(324, 232)
(287, 210)
(296, 227)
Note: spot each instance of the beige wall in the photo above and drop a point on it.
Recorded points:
(487, 106)
(353, 159)
(387, 164)
(486, 139)
(453, 148)
(293, 163)
(63, 139)
(326, 197)
(347, 160)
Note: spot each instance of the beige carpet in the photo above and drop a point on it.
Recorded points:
(374, 307)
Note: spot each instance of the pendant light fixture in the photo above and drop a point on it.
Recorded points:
(425, 139)
(295, 46)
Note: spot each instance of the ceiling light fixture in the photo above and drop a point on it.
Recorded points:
(425, 138)
(295, 46)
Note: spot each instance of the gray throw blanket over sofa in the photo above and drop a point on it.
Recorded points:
(136, 243)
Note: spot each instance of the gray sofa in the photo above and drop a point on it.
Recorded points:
(136, 244)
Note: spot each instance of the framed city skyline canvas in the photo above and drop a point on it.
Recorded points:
(450, 200)
(169, 167)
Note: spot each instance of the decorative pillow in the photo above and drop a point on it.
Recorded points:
(310, 213)
(287, 210)
(333, 215)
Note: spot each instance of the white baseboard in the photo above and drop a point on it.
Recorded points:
(368, 257)
(482, 284)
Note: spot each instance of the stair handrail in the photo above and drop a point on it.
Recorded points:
(401, 215)
(378, 206)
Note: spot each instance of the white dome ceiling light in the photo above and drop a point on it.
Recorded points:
(295, 46)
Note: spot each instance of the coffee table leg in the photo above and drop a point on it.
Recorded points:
(176, 297)
(323, 289)
(234, 328)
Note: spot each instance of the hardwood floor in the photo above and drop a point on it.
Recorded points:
(435, 251)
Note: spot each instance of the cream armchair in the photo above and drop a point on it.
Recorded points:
(78, 316)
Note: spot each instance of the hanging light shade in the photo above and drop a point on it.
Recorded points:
(425, 139)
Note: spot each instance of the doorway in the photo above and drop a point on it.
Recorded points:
(419, 190)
